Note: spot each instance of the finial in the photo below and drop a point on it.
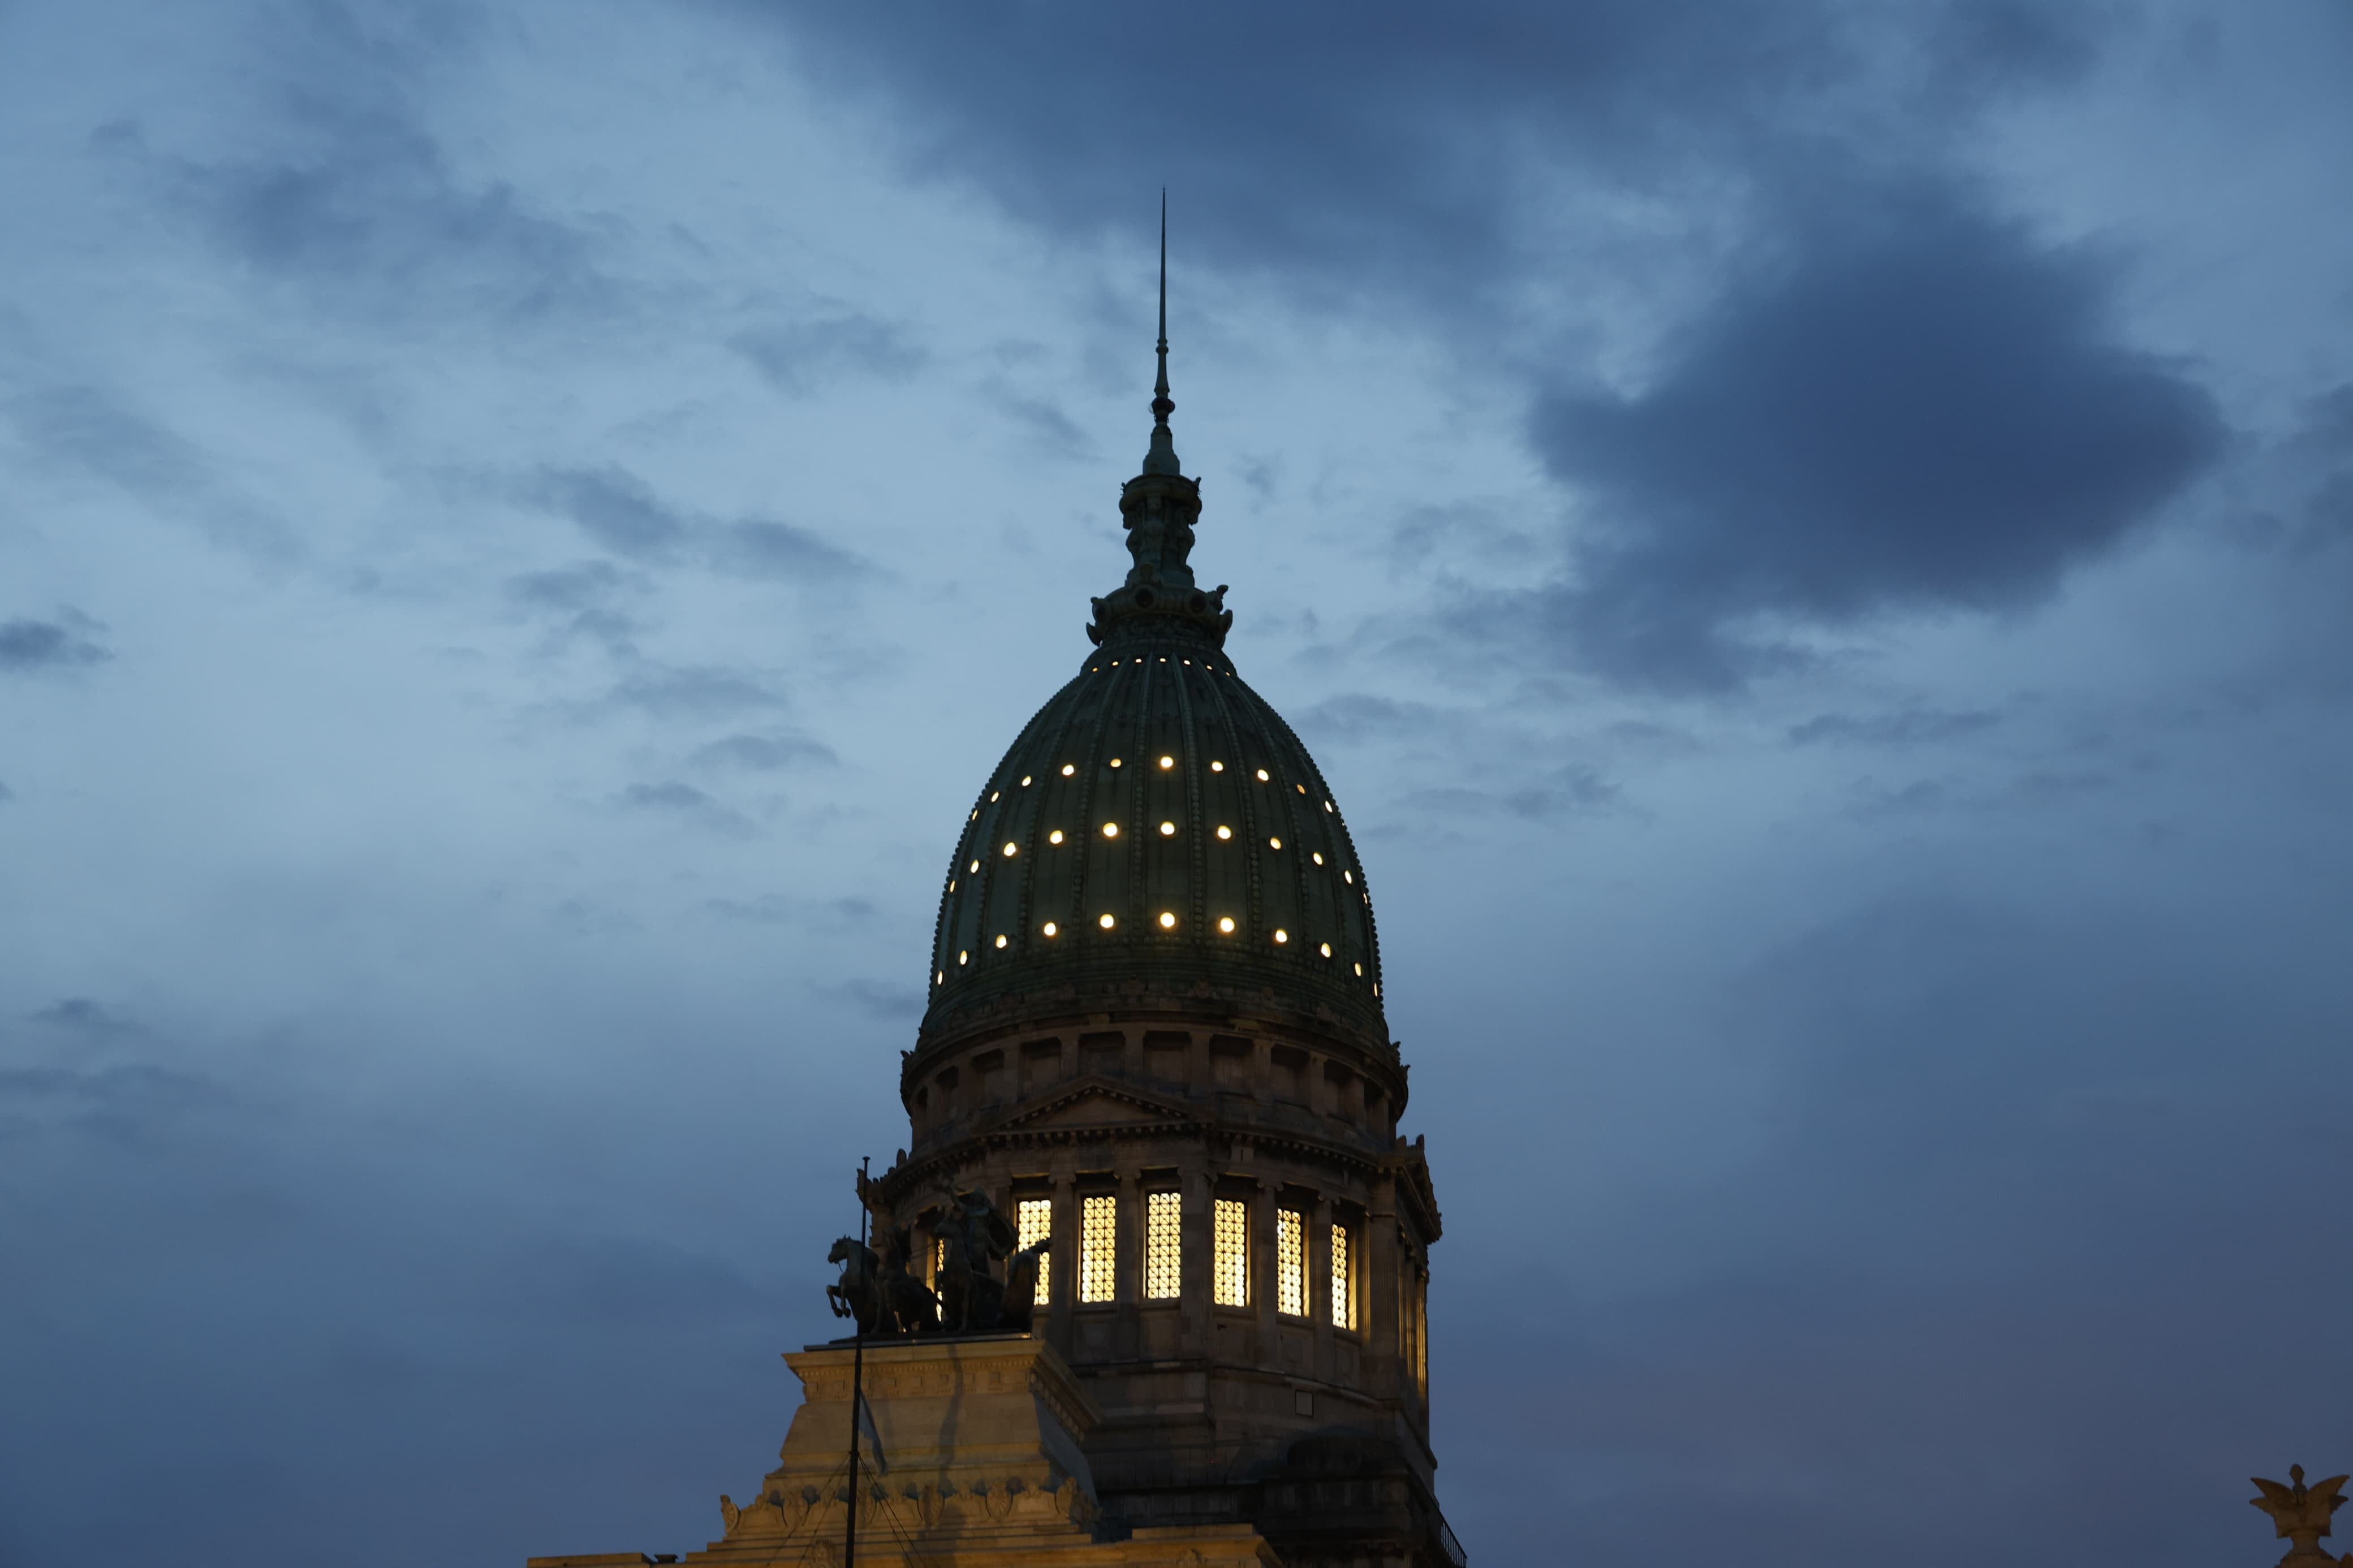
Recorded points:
(1162, 458)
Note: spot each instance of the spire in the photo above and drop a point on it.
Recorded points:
(1162, 458)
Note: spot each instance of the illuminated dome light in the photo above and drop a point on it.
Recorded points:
(1055, 836)
(1262, 775)
(1319, 857)
(951, 884)
(1360, 971)
(1167, 920)
(1302, 789)
(976, 814)
(1377, 987)
(1216, 767)
(1349, 877)
(1167, 762)
(973, 867)
(1106, 922)
(1225, 832)
(964, 958)
(1000, 941)
(1281, 934)
(1069, 768)
(1226, 925)
(1050, 931)
(1011, 850)
(1111, 830)
(1025, 781)
(1329, 807)
(1274, 844)
(993, 795)
(1322, 947)
(940, 978)
(1114, 762)
(1167, 830)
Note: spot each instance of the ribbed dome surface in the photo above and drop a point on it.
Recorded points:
(1158, 820)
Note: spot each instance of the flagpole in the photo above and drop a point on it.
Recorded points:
(857, 1387)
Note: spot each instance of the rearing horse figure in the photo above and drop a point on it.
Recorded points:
(884, 1298)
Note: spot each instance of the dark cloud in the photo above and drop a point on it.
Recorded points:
(589, 585)
(893, 1004)
(61, 644)
(352, 191)
(1401, 151)
(783, 550)
(1912, 726)
(766, 754)
(806, 356)
(1922, 409)
(81, 1016)
(684, 800)
(776, 908)
(620, 510)
(691, 691)
(613, 507)
(103, 435)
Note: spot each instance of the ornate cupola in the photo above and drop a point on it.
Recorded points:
(1155, 1036)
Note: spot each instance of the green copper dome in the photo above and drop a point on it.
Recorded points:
(1156, 821)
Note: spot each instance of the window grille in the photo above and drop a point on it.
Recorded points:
(1343, 1280)
(1037, 1223)
(1098, 1247)
(1163, 1214)
(1229, 1279)
(1290, 1263)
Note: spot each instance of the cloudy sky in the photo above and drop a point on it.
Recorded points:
(1814, 540)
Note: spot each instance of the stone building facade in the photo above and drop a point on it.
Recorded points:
(1155, 1032)
(1154, 1036)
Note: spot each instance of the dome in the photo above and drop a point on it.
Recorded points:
(1156, 821)
(1156, 818)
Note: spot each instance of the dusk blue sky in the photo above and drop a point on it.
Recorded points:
(1813, 541)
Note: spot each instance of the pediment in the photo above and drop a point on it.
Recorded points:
(1096, 1102)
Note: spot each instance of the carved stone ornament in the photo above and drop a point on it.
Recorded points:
(2300, 1514)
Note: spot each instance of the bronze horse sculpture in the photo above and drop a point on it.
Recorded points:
(883, 1298)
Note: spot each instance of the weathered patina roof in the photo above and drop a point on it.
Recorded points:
(1156, 820)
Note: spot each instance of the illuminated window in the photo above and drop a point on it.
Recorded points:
(1290, 1263)
(939, 1260)
(1229, 1270)
(1037, 1223)
(1163, 1217)
(1343, 1279)
(1098, 1247)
